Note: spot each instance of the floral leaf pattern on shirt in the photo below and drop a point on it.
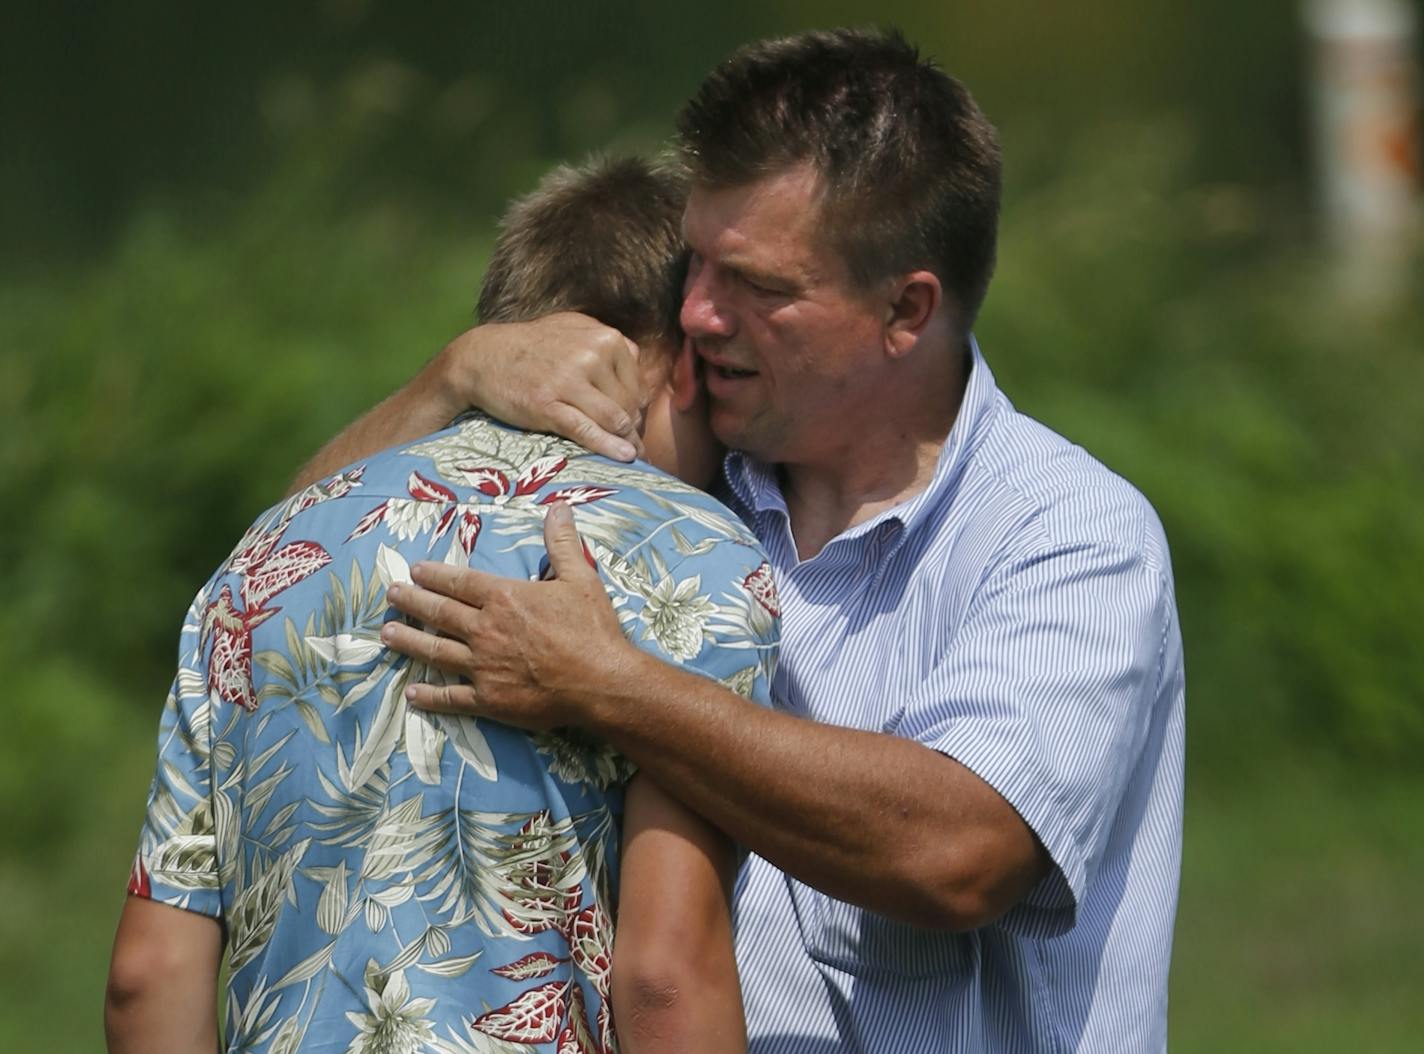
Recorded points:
(576, 1038)
(533, 1017)
(396, 1022)
(390, 871)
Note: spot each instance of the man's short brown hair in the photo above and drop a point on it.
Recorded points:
(603, 238)
(909, 167)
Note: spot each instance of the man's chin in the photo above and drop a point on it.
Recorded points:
(728, 429)
(736, 433)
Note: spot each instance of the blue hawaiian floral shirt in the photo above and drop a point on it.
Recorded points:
(395, 880)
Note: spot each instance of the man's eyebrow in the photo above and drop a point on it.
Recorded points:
(757, 276)
(733, 262)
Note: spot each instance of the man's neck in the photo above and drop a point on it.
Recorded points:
(890, 458)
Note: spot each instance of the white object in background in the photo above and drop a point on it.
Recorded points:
(1367, 135)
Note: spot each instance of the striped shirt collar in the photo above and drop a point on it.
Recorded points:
(757, 488)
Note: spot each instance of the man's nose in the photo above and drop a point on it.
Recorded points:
(702, 314)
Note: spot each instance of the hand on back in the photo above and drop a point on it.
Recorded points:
(531, 653)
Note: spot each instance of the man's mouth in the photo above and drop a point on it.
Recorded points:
(714, 369)
(729, 372)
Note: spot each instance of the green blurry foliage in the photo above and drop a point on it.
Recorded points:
(161, 398)
(153, 402)
(157, 400)
(1191, 337)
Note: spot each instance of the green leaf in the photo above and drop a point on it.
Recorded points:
(312, 719)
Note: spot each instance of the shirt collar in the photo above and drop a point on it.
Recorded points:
(756, 485)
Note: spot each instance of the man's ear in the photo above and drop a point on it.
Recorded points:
(915, 299)
(685, 383)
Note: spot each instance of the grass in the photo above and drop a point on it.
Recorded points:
(1300, 919)
(59, 905)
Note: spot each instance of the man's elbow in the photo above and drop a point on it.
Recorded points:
(961, 909)
(140, 974)
(133, 987)
(962, 892)
(650, 1003)
(135, 973)
(670, 1002)
(953, 907)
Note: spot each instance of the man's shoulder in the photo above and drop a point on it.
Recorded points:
(474, 456)
(480, 458)
(1062, 494)
(507, 477)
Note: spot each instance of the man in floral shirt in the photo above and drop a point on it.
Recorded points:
(390, 880)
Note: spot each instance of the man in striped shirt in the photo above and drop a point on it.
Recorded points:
(965, 812)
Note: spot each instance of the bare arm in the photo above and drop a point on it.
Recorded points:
(874, 819)
(674, 975)
(426, 404)
(565, 373)
(163, 981)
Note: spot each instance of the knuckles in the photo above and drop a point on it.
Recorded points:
(590, 358)
(445, 612)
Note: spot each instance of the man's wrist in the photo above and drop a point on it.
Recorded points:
(449, 382)
(609, 702)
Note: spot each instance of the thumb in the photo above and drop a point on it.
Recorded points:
(568, 556)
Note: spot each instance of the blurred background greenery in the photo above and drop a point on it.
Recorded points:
(228, 230)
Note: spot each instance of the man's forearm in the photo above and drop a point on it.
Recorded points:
(424, 405)
(873, 819)
(674, 979)
(564, 373)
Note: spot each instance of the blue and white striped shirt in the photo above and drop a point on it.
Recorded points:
(1017, 615)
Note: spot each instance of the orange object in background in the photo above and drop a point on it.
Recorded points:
(1367, 137)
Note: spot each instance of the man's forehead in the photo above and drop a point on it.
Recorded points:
(777, 215)
(793, 188)
(776, 208)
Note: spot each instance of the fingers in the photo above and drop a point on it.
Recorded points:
(611, 432)
(464, 584)
(567, 554)
(444, 653)
(581, 381)
(441, 612)
(444, 698)
(609, 412)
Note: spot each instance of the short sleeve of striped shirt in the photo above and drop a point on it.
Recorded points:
(1047, 696)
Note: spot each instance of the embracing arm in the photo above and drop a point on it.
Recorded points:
(674, 975)
(874, 819)
(163, 981)
(869, 818)
(564, 373)
(426, 404)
